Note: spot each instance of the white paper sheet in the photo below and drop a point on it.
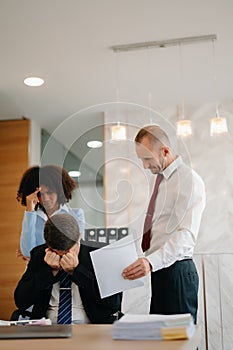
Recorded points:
(40, 322)
(110, 261)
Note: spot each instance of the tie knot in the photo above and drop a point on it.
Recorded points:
(159, 177)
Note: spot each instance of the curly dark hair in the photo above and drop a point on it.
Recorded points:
(52, 176)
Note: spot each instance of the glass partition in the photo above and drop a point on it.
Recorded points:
(89, 194)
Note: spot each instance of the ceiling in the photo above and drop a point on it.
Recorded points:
(67, 42)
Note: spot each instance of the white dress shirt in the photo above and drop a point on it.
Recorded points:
(178, 209)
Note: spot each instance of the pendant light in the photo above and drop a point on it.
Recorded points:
(118, 131)
(218, 124)
(184, 126)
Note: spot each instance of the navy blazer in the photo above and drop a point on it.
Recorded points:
(35, 288)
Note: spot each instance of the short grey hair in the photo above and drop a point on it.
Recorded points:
(154, 133)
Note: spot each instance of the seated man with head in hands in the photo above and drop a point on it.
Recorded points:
(44, 286)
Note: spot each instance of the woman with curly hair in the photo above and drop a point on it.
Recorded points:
(44, 191)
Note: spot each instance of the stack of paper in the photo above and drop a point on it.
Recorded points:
(154, 327)
(181, 328)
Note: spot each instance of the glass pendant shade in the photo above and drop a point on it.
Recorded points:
(218, 125)
(118, 132)
(184, 128)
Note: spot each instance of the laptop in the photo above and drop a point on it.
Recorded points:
(33, 331)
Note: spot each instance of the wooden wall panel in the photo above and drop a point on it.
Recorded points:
(14, 145)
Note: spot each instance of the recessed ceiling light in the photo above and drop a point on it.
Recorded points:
(94, 144)
(74, 173)
(33, 81)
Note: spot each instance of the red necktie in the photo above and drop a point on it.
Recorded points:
(149, 215)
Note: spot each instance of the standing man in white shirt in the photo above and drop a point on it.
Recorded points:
(175, 221)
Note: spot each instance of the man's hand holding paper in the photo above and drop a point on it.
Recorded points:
(140, 268)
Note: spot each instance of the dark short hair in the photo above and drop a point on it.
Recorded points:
(52, 176)
(154, 133)
(61, 232)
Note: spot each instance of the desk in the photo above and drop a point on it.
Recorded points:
(98, 337)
